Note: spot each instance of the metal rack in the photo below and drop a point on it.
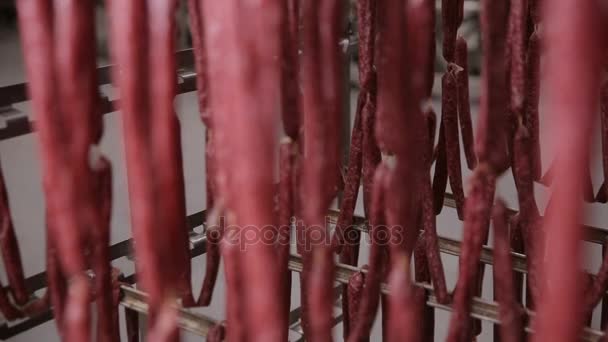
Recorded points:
(199, 324)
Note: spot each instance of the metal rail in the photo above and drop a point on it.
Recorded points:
(481, 308)
(199, 324)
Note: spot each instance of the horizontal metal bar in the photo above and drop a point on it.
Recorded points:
(195, 323)
(16, 93)
(480, 308)
(591, 233)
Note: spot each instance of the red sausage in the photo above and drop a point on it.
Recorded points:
(57, 284)
(451, 13)
(290, 96)
(396, 116)
(166, 143)
(321, 301)
(286, 212)
(165, 328)
(132, 323)
(432, 246)
(106, 330)
(246, 96)
(510, 313)
(351, 189)
(234, 311)
(7, 308)
(517, 20)
(477, 213)
(353, 298)
(128, 39)
(532, 95)
(490, 144)
(346, 238)
(371, 290)
(406, 304)
(213, 232)
(115, 295)
(602, 195)
(63, 157)
(367, 14)
(10, 249)
(76, 319)
(422, 274)
(449, 118)
(440, 178)
(321, 77)
(363, 153)
(198, 42)
(200, 59)
(522, 172)
(464, 106)
(526, 221)
(565, 23)
(216, 333)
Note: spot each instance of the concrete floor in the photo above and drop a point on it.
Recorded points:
(19, 158)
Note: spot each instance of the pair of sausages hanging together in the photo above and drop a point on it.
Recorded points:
(93, 170)
(455, 107)
(491, 151)
(212, 259)
(420, 17)
(246, 36)
(165, 141)
(129, 35)
(449, 120)
(521, 161)
(321, 61)
(363, 153)
(564, 24)
(36, 23)
(359, 152)
(63, 51)
(524, 83)
(400, 125)
(510, 311)
(370, 297)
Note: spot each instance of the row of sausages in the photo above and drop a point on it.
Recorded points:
(272, 66)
